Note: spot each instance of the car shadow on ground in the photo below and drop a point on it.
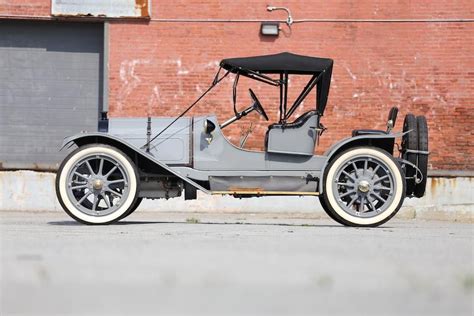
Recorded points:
(73, 223)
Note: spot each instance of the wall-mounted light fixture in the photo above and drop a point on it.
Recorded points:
(270, 28)
(273, 28)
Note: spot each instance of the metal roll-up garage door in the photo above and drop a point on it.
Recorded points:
(51, 77)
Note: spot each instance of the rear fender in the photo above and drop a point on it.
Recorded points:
(132, 151)
(383, 141)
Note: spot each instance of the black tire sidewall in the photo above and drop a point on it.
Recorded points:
(133, 208)
(326, 209)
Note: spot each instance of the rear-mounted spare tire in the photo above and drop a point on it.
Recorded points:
(410, 142)
(422, 128)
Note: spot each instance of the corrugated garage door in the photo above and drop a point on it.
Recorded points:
(50, 87)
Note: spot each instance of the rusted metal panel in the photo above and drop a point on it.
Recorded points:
(101, 8)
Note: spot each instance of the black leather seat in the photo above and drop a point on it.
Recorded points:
(392, 118)
(298, 122)
(359, 132)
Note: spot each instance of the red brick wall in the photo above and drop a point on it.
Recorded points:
(25, 7)
(158, 68)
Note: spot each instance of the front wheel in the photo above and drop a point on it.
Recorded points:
(363, 186)
(97, 184)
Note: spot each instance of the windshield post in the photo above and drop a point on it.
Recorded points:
(234, 92)
(285, 96)
(281, 97)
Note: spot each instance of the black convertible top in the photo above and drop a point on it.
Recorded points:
(278, 63)
(284, 64)
(258, 67)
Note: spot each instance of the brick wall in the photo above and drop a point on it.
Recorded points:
(158, 68)
(25, 7)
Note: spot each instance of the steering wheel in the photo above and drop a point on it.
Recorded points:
(257, 106)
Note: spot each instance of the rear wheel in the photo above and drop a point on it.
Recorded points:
(363, 186)
(97, 184)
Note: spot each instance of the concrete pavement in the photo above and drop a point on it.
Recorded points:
(233, 264)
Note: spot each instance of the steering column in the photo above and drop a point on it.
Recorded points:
(256, 106)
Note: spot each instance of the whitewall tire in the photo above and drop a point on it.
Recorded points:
(97, 184)
(363, 186)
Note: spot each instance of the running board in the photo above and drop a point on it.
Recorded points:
(261, 193)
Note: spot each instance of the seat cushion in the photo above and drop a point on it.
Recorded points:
(359, 132)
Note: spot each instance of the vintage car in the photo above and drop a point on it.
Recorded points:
(358, 180)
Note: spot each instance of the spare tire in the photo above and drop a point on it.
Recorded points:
(422, 128)
(410, 142)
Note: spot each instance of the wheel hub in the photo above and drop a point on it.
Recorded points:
(364, 186)
(97, 184)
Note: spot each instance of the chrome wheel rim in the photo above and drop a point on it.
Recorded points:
(98, 185)
(364, 186)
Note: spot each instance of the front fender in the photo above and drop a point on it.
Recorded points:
(382, 141)
(105, 138)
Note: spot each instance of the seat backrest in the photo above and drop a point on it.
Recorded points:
(297, 138)
(300, 120)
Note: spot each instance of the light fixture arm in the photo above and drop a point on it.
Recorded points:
(289, 20)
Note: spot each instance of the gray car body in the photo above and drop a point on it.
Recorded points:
(186, 152)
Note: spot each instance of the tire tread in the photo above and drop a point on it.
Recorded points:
(410, 141)
(422, 130)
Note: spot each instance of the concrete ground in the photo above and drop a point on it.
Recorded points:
(233, 264)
